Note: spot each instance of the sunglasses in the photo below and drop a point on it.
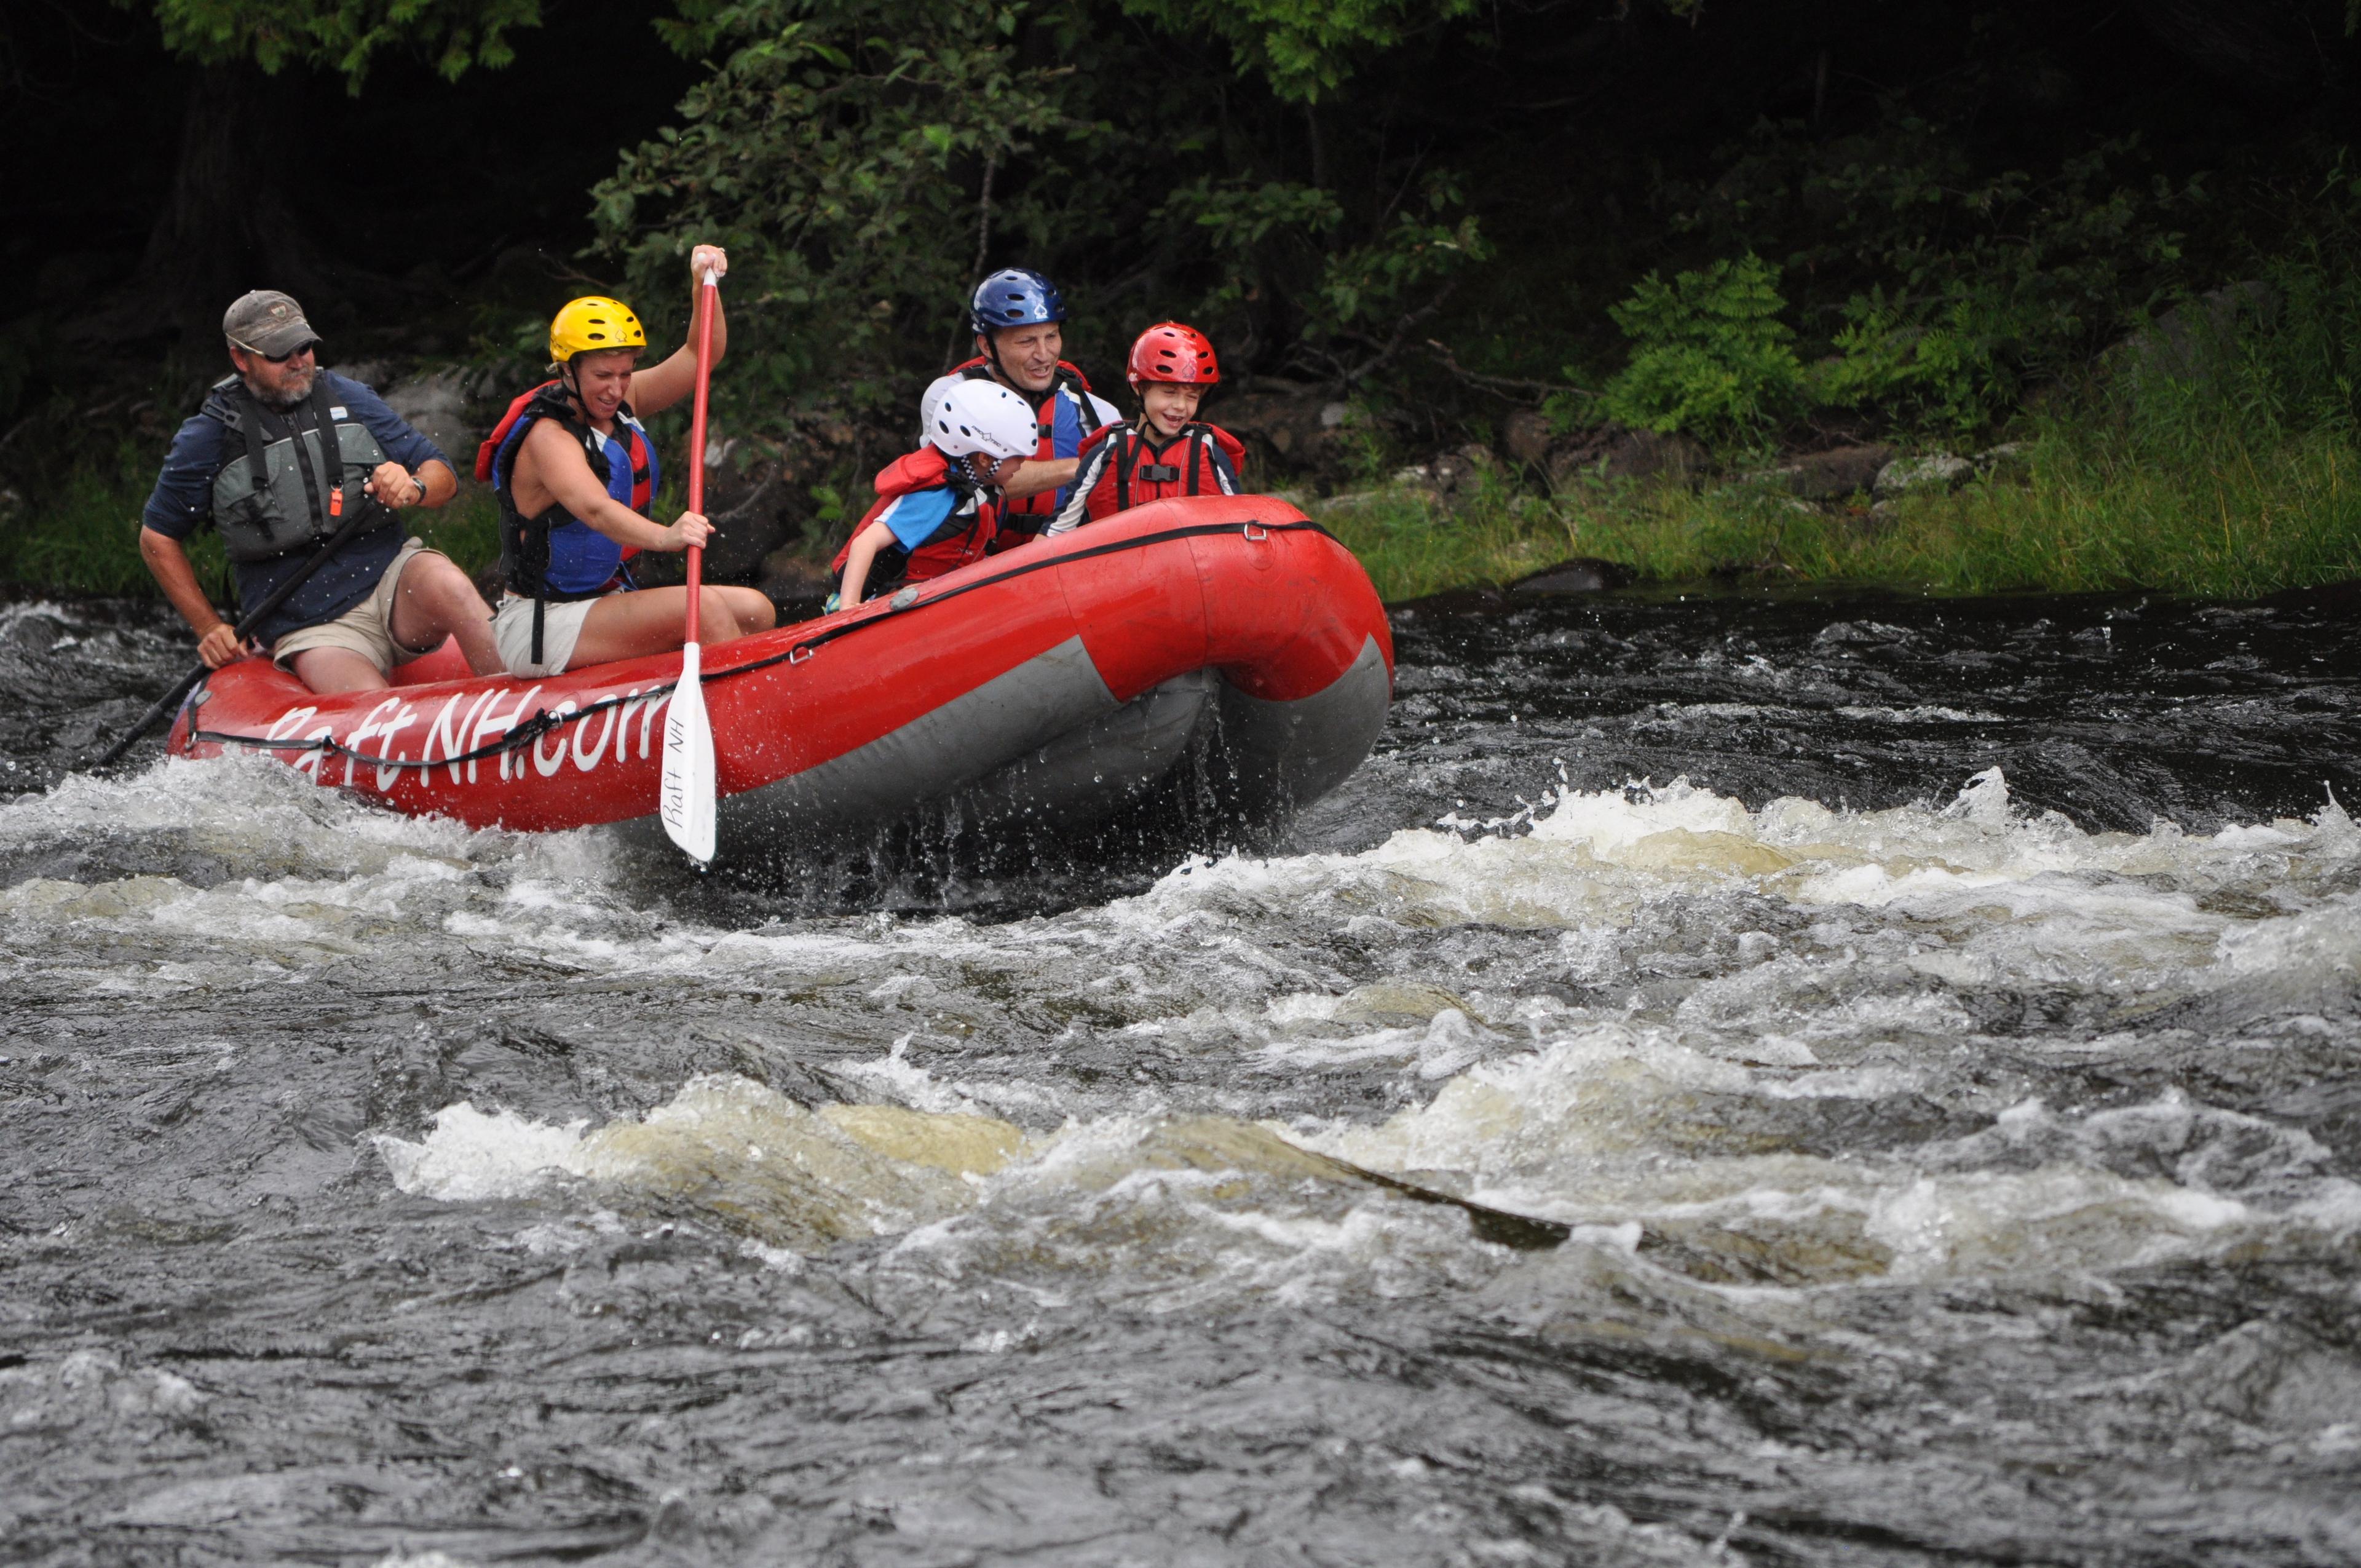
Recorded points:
(279, 359)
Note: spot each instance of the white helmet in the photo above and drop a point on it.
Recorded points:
(982, 416)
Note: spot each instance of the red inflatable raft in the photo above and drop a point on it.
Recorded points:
(1062, 678)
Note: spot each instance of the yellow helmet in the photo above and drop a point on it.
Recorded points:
(592, 323)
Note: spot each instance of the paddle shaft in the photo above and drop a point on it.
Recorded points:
(705, 296)
(685, 794)
(245, 629)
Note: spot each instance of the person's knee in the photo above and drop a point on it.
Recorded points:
(447, 588)
(714, 610)
(440, 592)
(753, 610)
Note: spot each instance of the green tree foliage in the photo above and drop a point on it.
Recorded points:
(1930, 298)
(1302, 48)
(866, 159)
(1934, 294)
(1236, 161)
(343, 36)
(1985, 285)
(1709, 354)
(855, 155)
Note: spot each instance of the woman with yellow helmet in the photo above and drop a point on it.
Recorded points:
(577, 479)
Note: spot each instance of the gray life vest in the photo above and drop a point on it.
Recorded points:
(279, 494)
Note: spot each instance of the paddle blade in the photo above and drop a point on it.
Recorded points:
(687, 797)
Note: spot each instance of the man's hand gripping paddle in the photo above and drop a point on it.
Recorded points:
(352, 528)
(687, 797)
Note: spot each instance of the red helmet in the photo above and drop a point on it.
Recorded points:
(1172, 352)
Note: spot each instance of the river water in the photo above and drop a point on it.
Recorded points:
(1936, 1028)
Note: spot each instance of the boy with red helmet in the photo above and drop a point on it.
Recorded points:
(1167, 451)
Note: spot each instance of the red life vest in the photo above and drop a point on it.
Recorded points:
(1138, 471)
(1025, 516)
(957, 542)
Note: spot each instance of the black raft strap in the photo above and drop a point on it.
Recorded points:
(309, 476)
(249, 426)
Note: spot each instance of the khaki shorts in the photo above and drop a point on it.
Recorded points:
(367, 629)
(561, 628)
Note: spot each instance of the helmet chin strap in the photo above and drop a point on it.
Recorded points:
(573, 384)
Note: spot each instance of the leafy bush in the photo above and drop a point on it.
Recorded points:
(1710, 355)
(1948, 290)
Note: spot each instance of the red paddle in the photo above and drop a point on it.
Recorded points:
(686, 799)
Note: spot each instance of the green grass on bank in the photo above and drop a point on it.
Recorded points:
(2083, 509)
(2222, 463)
(82, 536)
(2184, 505)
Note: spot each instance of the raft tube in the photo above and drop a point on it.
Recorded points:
(1057, 681)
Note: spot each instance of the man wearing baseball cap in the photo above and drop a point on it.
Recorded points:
(283, 459)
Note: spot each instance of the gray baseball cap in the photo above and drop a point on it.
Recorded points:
(269, 322)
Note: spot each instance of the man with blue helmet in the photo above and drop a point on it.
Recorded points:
(1018, 317)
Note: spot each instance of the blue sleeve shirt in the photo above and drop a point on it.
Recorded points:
(182, 502)
(918, 517)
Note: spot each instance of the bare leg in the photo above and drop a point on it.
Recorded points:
(434, 600)
(627, 626)
(328, 670)
(752, 607)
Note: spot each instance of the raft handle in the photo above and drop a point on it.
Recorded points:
(799, 653)
(1255, 532)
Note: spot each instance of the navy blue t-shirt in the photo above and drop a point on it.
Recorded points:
(182, 502)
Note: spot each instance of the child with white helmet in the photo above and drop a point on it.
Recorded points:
(939, 508)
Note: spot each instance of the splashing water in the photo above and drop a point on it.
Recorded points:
(1948, 1089)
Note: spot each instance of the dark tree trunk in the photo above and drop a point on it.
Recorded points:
(227, 224)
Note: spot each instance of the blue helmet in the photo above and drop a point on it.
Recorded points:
(1015, 296)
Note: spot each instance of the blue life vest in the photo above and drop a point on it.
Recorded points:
(556, 555)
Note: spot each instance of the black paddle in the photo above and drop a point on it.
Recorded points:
(170, 700)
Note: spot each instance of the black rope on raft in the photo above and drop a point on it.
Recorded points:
(543, 722)
(515, 738)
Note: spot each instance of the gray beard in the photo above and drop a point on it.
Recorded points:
(284, 401)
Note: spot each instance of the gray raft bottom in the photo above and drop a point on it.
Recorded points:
(1047, 742)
